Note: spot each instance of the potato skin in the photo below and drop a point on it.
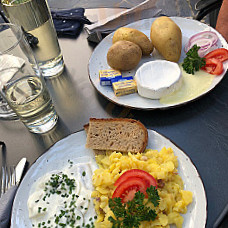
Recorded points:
(166, 37)
(124, 55)
(134, 36)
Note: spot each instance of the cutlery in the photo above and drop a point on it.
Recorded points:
(12, 176)
(19, 170)
(8, 178)
(6, 200)
(222, 220)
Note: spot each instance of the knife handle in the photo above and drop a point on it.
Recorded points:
(222, 220)
(2, 144)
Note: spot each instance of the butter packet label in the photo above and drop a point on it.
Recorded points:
(121, 79)
(124, 87)
(107, 75)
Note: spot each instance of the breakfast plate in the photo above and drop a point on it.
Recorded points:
(73, 148)
(98, 62)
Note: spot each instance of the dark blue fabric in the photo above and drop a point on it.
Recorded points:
(69, 22)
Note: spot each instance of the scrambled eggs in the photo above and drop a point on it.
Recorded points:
(161, 165)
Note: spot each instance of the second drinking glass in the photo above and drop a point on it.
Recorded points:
(23, 89)
(35, 18)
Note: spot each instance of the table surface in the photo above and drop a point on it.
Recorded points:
(200, 128)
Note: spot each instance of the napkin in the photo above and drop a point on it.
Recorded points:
(9, 66)
(69, 22)
(146, 9)
(6, 203)
(66, 22)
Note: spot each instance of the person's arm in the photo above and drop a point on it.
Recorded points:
(222, 21)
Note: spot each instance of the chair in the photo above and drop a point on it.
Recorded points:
(210, 8)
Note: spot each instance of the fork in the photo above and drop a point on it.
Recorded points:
(8, 178)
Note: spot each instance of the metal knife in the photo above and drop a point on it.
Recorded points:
(19, 170)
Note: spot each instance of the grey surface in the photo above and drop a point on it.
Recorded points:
(182, 8)
(200, 128)
(170, 7)
(93, 3)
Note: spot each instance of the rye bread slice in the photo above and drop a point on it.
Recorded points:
(117, 134)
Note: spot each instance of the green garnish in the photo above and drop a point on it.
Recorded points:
(193, 62)
(130, 214)
(63, 186)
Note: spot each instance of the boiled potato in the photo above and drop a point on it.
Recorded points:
(124, 55)
(166, 37)
(134, 36)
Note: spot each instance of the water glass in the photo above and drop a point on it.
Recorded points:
(6, 112)
(22, 87)
(35, 18)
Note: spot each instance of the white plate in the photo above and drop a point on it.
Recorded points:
(98, 62)
(73, 148)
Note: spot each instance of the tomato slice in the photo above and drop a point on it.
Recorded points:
(126, 190)
(145, 176)
(213, 66)
(132, 181)
(219, 54)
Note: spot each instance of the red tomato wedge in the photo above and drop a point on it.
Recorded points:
(219, 54)
(132, 181)
(213, 66)
(126, 190)
(145, 176)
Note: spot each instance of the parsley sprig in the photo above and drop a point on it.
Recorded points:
(130, 214)
(193, 62)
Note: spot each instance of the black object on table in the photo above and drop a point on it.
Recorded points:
(222, 220)
(208, 7)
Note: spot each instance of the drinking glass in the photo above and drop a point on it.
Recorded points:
(5, 111)
(35, 18)
(23, 89)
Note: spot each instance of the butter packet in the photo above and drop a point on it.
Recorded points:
(107, 75)
(124, 86)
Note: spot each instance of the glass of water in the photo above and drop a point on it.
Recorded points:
(6, 112)
(22, 87)
(35, 18)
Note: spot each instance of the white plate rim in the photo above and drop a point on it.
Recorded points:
(155, 139)
(153, 104)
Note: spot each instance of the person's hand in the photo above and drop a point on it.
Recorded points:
(221, 25)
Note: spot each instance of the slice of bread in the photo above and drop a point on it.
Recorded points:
(120, 134)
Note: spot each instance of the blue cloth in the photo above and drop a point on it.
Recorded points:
(69, 22)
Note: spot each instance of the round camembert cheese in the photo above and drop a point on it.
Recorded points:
(158, 78)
